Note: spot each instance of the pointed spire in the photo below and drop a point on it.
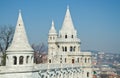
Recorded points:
(67, 23)
(20, 41)
(52, 30)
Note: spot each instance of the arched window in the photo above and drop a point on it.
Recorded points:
(62, 48)
(50, 38)
(87, 74)
(65, 36)
(72, 36)
(78, 60)
(14, 60)
(72, 60)
(85, 60)
(58, 46)
(27, 58)
(88, 60)
(65, 48)
(21, 60)
(49, 60)
(65, 60)
(74, 48)
(60, 60)
(70, 48)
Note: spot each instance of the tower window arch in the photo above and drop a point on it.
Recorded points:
(14, 60)
(71, 36)
(88, 60)
(87, 74)
(65, 48)
(62, 48)
(65, 60)
(65, 36)
(78, 60)
(27, 58)
(71, 48)
(19, 24)
(49, 60)
(72, 60)
(50, 38)
(21, 60)
(74, 48)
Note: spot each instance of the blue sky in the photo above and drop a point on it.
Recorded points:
(97, 21)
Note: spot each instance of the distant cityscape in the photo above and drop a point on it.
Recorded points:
(106, 65)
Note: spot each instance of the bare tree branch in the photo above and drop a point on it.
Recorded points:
(6, 36)
(40, 52)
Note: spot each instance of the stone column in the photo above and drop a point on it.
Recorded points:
(24, 59)
(17, 60)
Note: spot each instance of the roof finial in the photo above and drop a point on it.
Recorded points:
(67, 6)
(19, 10)
(52, 23)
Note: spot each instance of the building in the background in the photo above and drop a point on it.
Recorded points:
(64, 47)
(65, 59)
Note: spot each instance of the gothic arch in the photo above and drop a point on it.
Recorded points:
(27, 59)
(21, 59)
(14, 60)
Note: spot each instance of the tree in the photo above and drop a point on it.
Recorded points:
(6, 37)
(40, 51)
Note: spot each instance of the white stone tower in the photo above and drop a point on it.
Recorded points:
(20, 52)
(67, 41)
(52, 49)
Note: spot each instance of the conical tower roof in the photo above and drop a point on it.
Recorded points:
(67, 23)
(20, 42)
(52, 30)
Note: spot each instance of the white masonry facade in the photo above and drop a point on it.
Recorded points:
(65, 59)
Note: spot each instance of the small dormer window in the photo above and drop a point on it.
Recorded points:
(65, 36)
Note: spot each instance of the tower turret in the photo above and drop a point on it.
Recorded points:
(68, 39)
(52, 48)
(20, 51)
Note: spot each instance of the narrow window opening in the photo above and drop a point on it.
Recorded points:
(65, 36)
(87, 74)
(27, 59)
(65, 60)
(58, 46)
(70, 48)
(74, 48)
(72, 36)
(49, 60)
(60, 60)
(72, 60)
(65, 48)
(78, 60)
(21, 60)
(15, 60)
